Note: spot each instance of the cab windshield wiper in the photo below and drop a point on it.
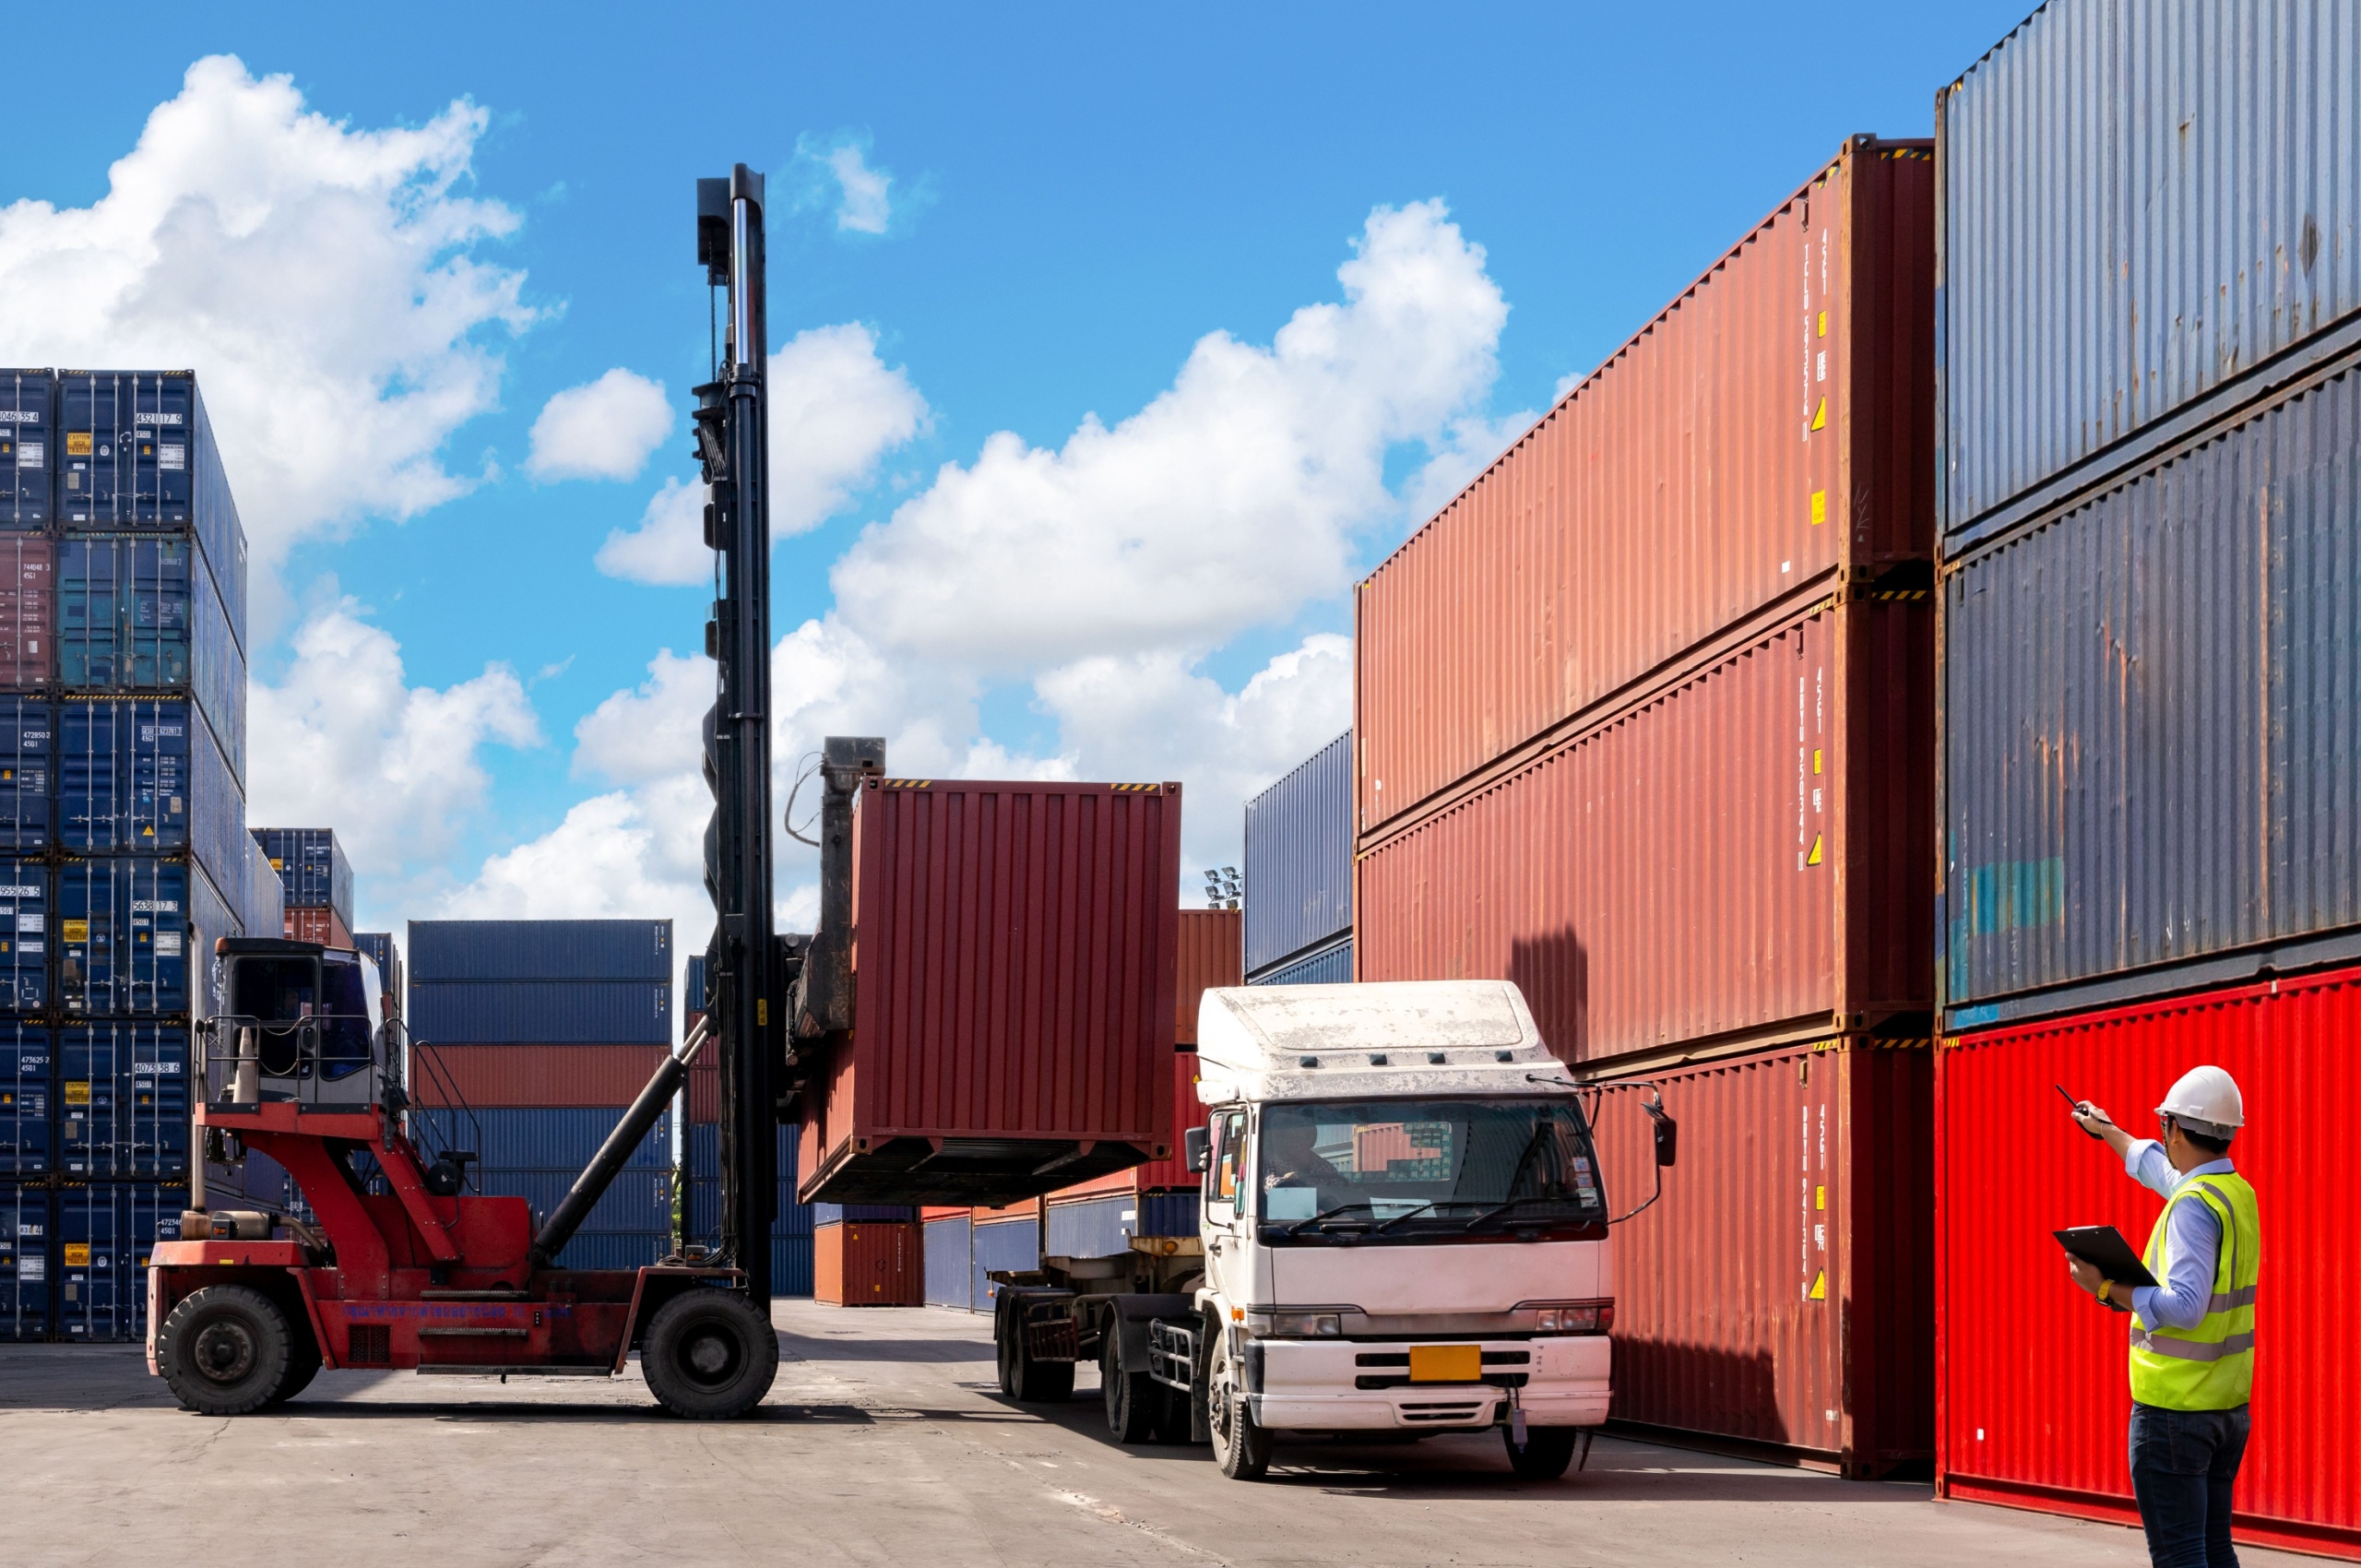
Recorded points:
(1499, 1209)
(1296, 1228)
(1409, 1213)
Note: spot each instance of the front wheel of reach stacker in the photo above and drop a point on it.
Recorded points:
(224, 1350)
(709, 1355)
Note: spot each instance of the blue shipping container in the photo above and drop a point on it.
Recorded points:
(256, 1182)
(637, 1202)
(313, 871)
(128, 932)
(1006, 1245)
(1329, 966)
(24, 1262)
(28, 422)
(540, 1012)
(101, 1241)
(551, 1139)
(1299, 859)
(949, 1270)
(122, 1099)
(378, 945)
(25, 1056)
(27, 737)
(145, 776)
(701, 1207)
(1103, 1227)
(790, 1266)
(541, 950)
(266, 910)
(615, 1249)
(693, 996)
(24, 936)
(141, 615)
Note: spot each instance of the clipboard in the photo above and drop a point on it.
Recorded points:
(2104, 1247)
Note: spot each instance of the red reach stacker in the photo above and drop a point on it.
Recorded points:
(401, 1265)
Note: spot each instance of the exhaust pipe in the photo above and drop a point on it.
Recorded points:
(591, 1185)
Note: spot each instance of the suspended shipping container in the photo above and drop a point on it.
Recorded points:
(141, 615)
(27, 418)
(540, 950)
(123, 1094)
(25, 1057)
(1766, 437)
(24, 1262)
(27, 612)
(2033, 1399)
(540, 1012)
(867, 1264)
(1300, 860)
(1014, 981)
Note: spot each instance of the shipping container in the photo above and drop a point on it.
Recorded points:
(540, 1012)
(146, 778)
(2151, 703)
(997, 1243)
(266, 909)
(638, 1203)
(379, 947)
(136, 454)
(948, 1262)
(1172, 1169)
(1014, 982)
(693, 997)
(1299, 859)
(1332, 964)
(864, 1214)
(614, 1249)
(255, 1180)
(26, 1145)
(793, 1266)
(27, 422)
(1104, 1226)
(123, 1101)
(313, 871)
(127, 931)
(1740, 857)
(2149, 215)
(1776, 1293)
(2033, 1399)
(542, 1139)
(141, 615)
(867, 1265)
(24, 1262)
(24, 936)
(322, 926)
(530, 1076)
(701, 1171)
(100, 1242)
(28, 734)
(1209, 957)
(1767, 436)
(27, 612)
(541, 950)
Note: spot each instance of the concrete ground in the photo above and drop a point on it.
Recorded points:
(885, 1441)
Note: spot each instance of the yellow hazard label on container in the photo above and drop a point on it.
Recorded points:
(1823, 323)
(1819, 1287)
(77, 1254)
(78, 1093)
(1820, 416)
(1819, 505)
(1815, 759)
(77, 931)
(1813, 859)
(78, 443)
(1820, 1197)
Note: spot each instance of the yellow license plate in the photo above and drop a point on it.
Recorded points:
(1446, 1363)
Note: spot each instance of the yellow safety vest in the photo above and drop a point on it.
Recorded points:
(2210, 1367)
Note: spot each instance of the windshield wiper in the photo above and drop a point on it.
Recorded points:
(1296, 1228)
(1499, 1209)
(1410, 1214)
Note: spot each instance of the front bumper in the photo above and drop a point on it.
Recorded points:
(1359, 1385)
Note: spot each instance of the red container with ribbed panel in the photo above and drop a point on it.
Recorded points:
(1742, 856)
(27, 612)
(867, 1264)
(488, 1076)
(2031, 1388)
(1769, 433)
(323, 926)
(1777, 1293)
(1014, 962)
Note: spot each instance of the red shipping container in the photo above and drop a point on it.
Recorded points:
(2032, 1385)
(323, 926)
(1777, 1293)
(1742, 857)
(27, 612)
(866, 1264)
(1014, 977)
(1769, 433)
(488, 1076)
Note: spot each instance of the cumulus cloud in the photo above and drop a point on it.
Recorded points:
(669, 546)
(863, 196)
(328, 284)
(606, 429)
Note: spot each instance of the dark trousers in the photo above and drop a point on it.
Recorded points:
(2183, 1463)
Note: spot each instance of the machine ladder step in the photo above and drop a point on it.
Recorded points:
(451, 1369)
(486, 1333)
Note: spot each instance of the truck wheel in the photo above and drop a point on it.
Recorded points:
(1241, 1447)
(1135, 1400)
(302, 1366)
(709, 1355)
(1005, 1351)
(1547, 1452)
(1037, 1382)
(224, 1350)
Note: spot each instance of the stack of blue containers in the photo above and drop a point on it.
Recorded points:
(1299, 874)
(124, 852)
(701, 1165)
(543, 993)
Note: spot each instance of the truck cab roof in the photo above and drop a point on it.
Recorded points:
(1279, 1042)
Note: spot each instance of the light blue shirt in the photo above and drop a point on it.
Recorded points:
(2193, 1239)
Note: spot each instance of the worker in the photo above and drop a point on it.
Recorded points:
(2192, 1333)
(1291, 1159)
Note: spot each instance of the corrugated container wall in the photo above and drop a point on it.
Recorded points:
(24, 1260)
(1208, 958)
(1332, 964)
(867, 1265)
(25, 1144)
(542, 1075)
(2032, 1398)
(266, 909)
(2148, 207)
(27, 612)
(27, 446)
(313, 871)
(315, 925)
(540, 1012)
(1777, 1293)
(379, 946)
(1299, 859)
(1740, 857)
(142, 616)
(2151, 703)
(541, 950)
(1768, 435)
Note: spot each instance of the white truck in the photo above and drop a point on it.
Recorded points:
(1402, 1230)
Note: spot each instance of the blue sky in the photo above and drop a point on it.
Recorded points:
(1074, 197)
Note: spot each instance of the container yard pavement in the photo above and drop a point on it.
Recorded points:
(885, 1441)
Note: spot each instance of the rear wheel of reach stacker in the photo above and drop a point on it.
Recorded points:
(224, 1350)
(303, 1364)
(709, 1355)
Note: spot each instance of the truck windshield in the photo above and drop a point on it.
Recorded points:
(1424, 1165)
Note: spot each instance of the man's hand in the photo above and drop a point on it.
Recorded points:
(2099, 1125)
(2086, 1275)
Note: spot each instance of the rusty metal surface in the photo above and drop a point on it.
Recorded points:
(2031, 1377)
(1770, 427)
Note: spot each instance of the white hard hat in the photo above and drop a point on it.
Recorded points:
(2206, 1101)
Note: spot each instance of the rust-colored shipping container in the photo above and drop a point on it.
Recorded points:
(1777, 1293)
(1743, 856)
(1769, 433)
(867, 1263)
(28, 613)
(2031, 1394)
(323, 926)
(486, 1077)
(1014, 978)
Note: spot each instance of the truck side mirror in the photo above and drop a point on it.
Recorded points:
(1197, 1146)
(1668, 1132)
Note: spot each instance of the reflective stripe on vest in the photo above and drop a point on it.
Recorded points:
(2210, 1367)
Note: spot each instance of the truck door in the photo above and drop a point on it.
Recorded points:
(1227, 1256)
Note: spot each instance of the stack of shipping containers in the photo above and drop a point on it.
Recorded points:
(124, 852)
(1643, 723)
(2150, 661)
(315, 882)
(791, 1232)
(1299, 874)
(548, 1030)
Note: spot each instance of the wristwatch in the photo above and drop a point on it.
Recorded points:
(2105, 1289)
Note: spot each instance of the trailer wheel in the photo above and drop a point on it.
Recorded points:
(1547, 1452)
(709, 1355)
(1023, 1378)
(224, 1350)
(1134, 1401)
(1241, 1446)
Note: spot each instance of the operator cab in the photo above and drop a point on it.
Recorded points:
(296, 1021)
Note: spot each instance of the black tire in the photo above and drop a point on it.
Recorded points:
(1547, 1452)
(1038, 1383)
(224, 1350)
(1134, 1401)
(709, 1355)
(1241, 1445)
(1005, 1349)
(302, 1366)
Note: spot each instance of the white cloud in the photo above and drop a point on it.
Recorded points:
(1229, 501)
(866, 207)
(1466, 450)
(326, 283)
(606, 429)
(836, 411)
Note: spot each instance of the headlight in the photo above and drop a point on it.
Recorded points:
(1306, 1326)
(1578, 1317)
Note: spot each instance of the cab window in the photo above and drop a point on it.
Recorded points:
(1225, 1171)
